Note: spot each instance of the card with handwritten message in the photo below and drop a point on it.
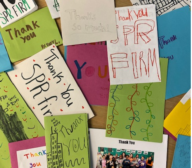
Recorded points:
(54, 8)
(5, 64)
(179, 119)
(47, 85)
(67, 141)
(31, 35)
(136, 111)
(182, 149)
(134, 56)
(175, 44)
(87, 21)
(17, 121)
(13, 10)
(89, 66)
(28, 153)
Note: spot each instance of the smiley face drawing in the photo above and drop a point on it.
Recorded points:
(5, 89)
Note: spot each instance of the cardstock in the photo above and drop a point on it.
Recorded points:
(27, 153)
(87, 21)
(5, 64)
(175, 44)
(17, 121)
(67, 141)
(47, 85)
(134, 56)
(54, 8)
(89, 65)
(118, 146)
(163, 6)
(183, 148)
(136, 111)
(13, 10)
(31, 35)
(179, 119)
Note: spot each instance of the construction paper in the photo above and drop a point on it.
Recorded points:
(89, 65)
(54, 8)
(175, 44)
(47, 85)
(179, 119)
(183, 148)
(5, 64)
(31, 35)
(27, 153)
(17, 121)
(163, 6)
(67, 141)
(115, 146)
(82, 22)
(136, 111)
(134, 56)
(13, 10)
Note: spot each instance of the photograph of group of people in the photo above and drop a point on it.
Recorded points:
(121, 158)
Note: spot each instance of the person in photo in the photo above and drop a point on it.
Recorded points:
(126, 162)
(107, 158)
(104, 162)
(142, 163)
(120, 162)
(124, 156)
(137, 158)
(149, 162)
(110, 162)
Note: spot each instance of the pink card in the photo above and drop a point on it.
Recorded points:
(89, 66)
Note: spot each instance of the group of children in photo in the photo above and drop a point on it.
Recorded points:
(125, 161)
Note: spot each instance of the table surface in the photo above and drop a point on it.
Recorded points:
(99, 121)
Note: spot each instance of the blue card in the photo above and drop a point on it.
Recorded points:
(175, 44)
(5, 64)
(182, 155)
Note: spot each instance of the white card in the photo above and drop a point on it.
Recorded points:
(47, 85)
(13, 10)
(34, 157)
(134, 56)
(87, 21)
(54, 8)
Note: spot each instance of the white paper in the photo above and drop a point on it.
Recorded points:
(87, 21)
(163, 6)
(98, 139)
(54, 8)
(13, 10)
(186, 97)
(34, 157)
(47, 85)
(134, 56)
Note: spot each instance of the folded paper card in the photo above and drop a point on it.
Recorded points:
(89, 66)
(30, 35)
(28, 153)
(136, 111)
(134, 56)
(54, 8)
(182, 154)
(17, 121)
(179, 119)
(87, 21)
(47, 85)
(5, 64)
(67, 141)
(175, 44)
(102, 146)
(13, 10)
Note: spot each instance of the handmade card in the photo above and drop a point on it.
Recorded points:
(17, 121)
(31, 35)
(175, 44)
(179, 119)
(144, 153)
(89, 66)
(28, 153)
(134, 56)
(136, 111)
(163, 6)
(13, 10)
(182, 149)
(47, 85)
(87, 21)
(5, 64)
(54, 8)
(67, 141)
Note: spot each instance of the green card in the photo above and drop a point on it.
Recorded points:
(136, 111)
(67, 141)
(17, 121)
(30, 35)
